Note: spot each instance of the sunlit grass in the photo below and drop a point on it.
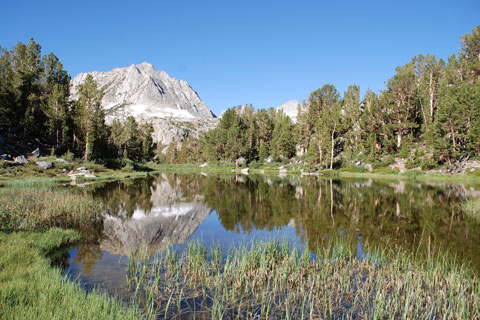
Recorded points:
(31, 289)
(471, 208)
(36, 204)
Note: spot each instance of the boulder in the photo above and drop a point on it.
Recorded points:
(240, 161)
(45, 164)
(204, 165)
(36, 153)
(5, 157)
(244, 171)
(21, 160)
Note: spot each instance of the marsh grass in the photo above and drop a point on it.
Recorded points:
(272, 280)
(38, 204)
(31, 289)
(471, 208)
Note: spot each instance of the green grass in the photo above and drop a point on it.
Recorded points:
(31, 289)
(37, 204)
(271, 280)
(273, 169)
(471, 208)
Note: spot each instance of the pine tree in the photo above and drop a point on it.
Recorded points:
(401, 104)
(90, 115)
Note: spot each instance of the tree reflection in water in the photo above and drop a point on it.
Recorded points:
(413, 216)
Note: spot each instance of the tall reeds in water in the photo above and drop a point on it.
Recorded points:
(271, 280)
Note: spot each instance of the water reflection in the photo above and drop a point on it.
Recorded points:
(149, 214)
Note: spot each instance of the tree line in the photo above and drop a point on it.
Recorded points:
(429, 113)
(35, 106)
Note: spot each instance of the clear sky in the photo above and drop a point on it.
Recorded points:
(241, 52)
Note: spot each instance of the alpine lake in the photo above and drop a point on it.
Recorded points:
(163, 214)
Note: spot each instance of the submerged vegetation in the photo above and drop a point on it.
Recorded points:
(271, 280)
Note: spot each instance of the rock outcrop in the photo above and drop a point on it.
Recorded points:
(152, 96)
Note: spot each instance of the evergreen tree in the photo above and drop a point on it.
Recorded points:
(352, 113)
(401, 104)
(283, 145)
(470, 53)
(90, 116)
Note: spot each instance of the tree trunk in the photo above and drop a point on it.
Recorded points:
(431, 96)
(399, 140)
(333, 149)
(87, 146)
(320, 150)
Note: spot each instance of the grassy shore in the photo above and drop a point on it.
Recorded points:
(271, 280)
(278, 169)
(39, 204)
(31, 289)
(31, 170)
(30, 212)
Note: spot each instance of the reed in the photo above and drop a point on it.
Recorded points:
(471, 208)
(39, 205)
(272, 280)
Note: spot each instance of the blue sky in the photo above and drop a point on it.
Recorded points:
(237, 52)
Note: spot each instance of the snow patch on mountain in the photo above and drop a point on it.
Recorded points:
(290, 108)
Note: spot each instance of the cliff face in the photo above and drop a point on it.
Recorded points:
(152, 96)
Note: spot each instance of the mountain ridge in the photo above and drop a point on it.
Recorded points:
(143, 92)
(151, 96)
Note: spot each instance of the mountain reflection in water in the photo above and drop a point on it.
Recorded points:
(148, 214)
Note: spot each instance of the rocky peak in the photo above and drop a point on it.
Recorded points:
(145, 93)
(149, 95)
(290, 109)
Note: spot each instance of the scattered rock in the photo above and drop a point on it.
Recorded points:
(5, 157)
(61, 160)
(81, 169)
(269, 160)
(35, 153)
(240, 161)
(400, 165)
(45, 164)
(369, 167)
(471, 166)
(21, 160)
(204, 165)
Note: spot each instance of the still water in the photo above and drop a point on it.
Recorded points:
(150, 214)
